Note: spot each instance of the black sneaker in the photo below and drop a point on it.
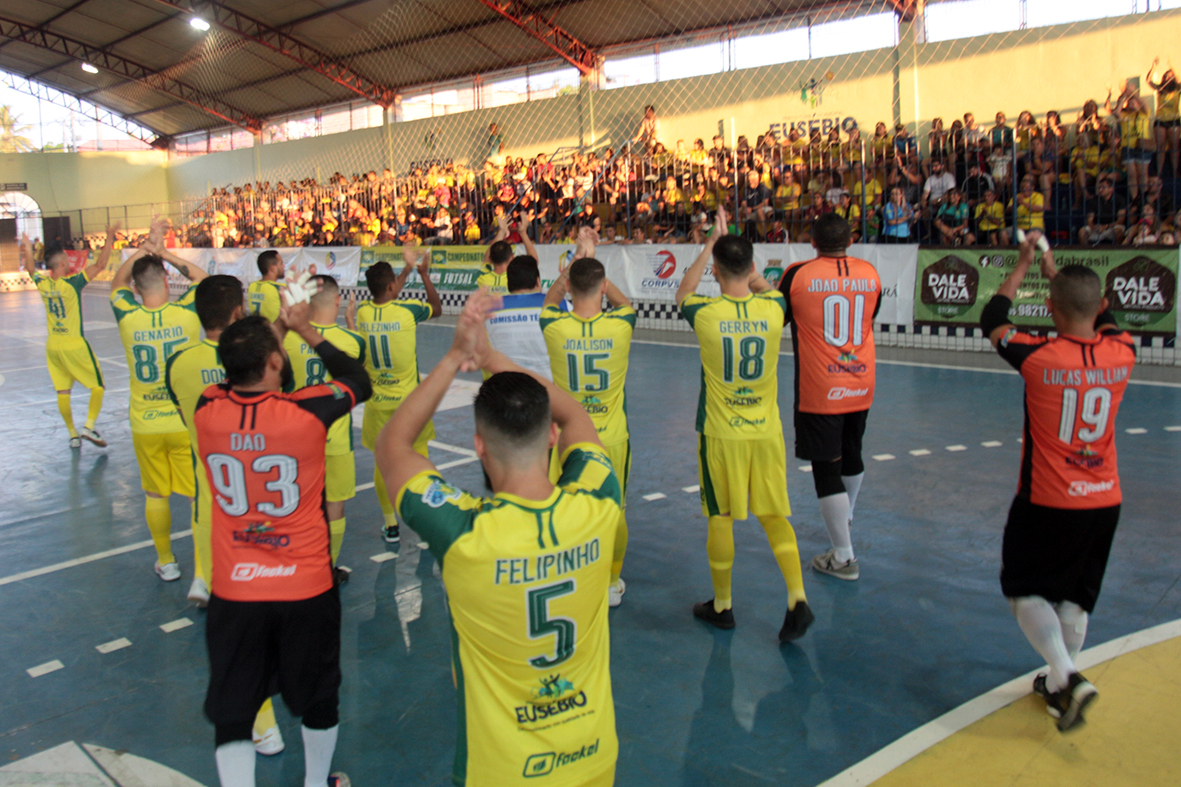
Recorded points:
(1075, 698)
(391, 534)
(341, 575)
(1055, 700)
(705, 611)
(796, 622)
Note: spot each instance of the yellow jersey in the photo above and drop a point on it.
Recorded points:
(739, 340)
(990, 217)
(787, 197)
(187, 375)
(1028, 219)
(262, 296)
(589, 360)
(497, 283)
(63, 306)
(308, 369)
(1134, 128)
(527, 590)
(390, 332)
(150, 337)
(1168, 105)
(873, 190)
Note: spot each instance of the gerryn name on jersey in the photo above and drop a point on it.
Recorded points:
(589, 345)
(158, 334)
(744, 326)
(524, 570)
(843, 285)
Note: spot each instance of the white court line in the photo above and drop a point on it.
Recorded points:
(954, 448)
(805, 468)
(992, 444)
(113, 645)
(363, 487)
(465, 461)
(655, 496)
(382, 557)
(445, 447)
(176, 625)
(920, 452)
(1173, 428)
(917, 741)
(1136, 430)
(884, 457)
(692, 490)
(45, 669)
(79, 561)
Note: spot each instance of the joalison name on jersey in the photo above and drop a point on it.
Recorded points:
(544, 764)
(158, 334)
(379, 327)
(843, 284)
(524, 570)
(744, 326)
(589, 344)
(1098, 376)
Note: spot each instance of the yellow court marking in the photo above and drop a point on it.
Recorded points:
(1131, 737)
(1005, 737)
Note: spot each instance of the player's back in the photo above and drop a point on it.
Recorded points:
(390, 331)
(589, 359)
(150, 337)
(831, 303)
(308, 370)
(496, 283)
(515, 330)
(739, 340)
(527, 585)
(63, 306)
(188, 373)
(1073, 390)
(262, 297)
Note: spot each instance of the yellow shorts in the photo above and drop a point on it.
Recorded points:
(165, 463)
(731, 471)
(75, 362)
(340, 477)
(375, 419)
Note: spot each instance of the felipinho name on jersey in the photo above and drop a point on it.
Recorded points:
(525, 570)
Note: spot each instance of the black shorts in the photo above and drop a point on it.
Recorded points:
(1167, 123)
(260, 648)
(1059, 554)
(826, 438)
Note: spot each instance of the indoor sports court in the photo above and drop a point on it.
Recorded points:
(918, 658)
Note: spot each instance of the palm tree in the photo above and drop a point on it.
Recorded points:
(11, 130)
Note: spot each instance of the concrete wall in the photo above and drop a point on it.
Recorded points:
(71, 181)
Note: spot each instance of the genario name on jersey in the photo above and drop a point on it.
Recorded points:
(524, 570)
(158, 334)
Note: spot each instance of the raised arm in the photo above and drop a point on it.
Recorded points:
(693, 276)
(501, 234)
(615, 296)
(995, 318)
(186, 268)
(410, 255)
(557, 291)
(123, 275)
(432, 294)
(1151, 68)
(530, 249)
(26, 248)
(100, 262)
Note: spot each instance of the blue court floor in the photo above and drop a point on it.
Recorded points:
(924, 630)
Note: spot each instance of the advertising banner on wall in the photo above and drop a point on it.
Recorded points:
(952, 285)
(341, 263)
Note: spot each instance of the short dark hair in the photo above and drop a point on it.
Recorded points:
(586, 275)
(52, 252)
(1077, 291)
(216, 300)
(328, 288)
(513, 407)
(266, 260)
(831, 232)
(379, 277)
(522, 274)
(148, 272)
(500, 252)
(244, 348)
(733, 255)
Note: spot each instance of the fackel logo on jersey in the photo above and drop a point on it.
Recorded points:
(1084, 488)
(544, 764)
(245, 572)
(836, 394)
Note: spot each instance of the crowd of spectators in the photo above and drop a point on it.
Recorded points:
(1098, 180)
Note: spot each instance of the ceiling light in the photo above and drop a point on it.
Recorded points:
(89, 69)
(199, 23)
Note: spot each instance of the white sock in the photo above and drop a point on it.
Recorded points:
(852, 487)
(318, 746)
(235, 764)
(1044, 631)
(1074, 626)
(834, 509)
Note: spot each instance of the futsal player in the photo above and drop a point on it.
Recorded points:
(1062, 521)
(741, 455)
(831, 303)
(499, 254)
(526, 570)
(218, 301)
(67, 353)
(515, 327)
(588, 353)
(263, 294)
(274, 615)
(340, 481)
(152, 329)
(389, 328)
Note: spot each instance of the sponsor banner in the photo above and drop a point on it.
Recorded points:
(952, 286)
(78, 260)
(341, 263)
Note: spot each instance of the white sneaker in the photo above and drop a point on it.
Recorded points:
(270, 743)
(615, 593)
(199, 593)
(828, 564)
(89, 434)
(169, 572)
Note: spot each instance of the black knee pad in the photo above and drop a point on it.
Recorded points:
(827, 477)
(322, 716)
(851, 464)
(228, 733)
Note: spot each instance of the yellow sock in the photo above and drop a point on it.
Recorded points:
(96, 404)
(720, 548)
(63, 407)
(265, 718)
(202, 547)
(787, 555)
(159, 515)
(383, 499)
(620, 548)
(336, 537)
